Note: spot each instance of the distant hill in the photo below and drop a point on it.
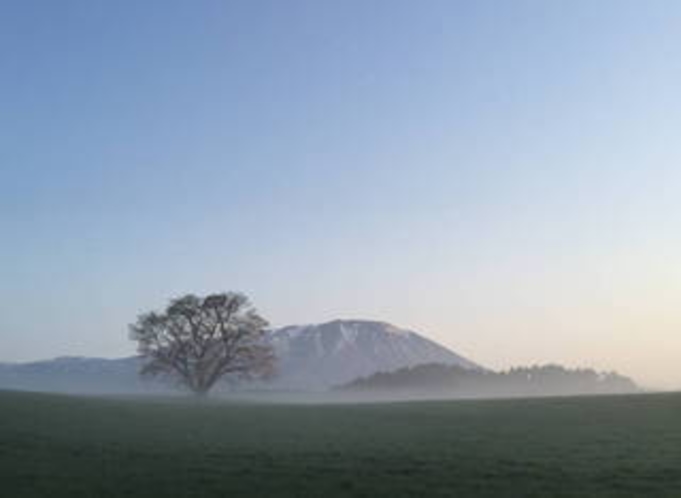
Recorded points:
(364, 356)
(74, 374)
(452, 380)
(310, 357)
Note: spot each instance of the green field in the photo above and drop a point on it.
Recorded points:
(58, 446)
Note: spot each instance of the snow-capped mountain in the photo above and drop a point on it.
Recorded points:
(337, 352)
(310, 357)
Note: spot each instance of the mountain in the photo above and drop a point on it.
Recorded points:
(350, 359)
(310, 357)
(74, 374)
(337, 352)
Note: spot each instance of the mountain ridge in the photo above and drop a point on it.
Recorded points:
(310, 357)
(351, 355)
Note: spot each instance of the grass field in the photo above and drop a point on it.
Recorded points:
(57, 446)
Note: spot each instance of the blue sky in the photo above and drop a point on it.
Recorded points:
(502, 176)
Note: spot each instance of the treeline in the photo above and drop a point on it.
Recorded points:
(543, 380)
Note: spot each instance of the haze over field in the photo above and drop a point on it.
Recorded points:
(503, 176)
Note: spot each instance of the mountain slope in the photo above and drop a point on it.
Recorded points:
(337, 352)
(309, 357)
(73, 374)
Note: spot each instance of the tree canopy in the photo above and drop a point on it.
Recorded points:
(199, 340)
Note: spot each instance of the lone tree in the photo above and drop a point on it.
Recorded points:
(199, 340)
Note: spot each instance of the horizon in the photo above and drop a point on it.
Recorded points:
(499, 178)
(270, 328)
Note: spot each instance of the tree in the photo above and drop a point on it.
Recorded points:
(199, 340)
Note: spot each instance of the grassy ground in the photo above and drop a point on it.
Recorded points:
(52, 446)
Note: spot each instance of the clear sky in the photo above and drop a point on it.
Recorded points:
(503, 176)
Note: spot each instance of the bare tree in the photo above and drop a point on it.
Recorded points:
(199, 340)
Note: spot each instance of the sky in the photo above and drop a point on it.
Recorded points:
(502, 177)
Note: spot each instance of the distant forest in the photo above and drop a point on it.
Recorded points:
(523, 381)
